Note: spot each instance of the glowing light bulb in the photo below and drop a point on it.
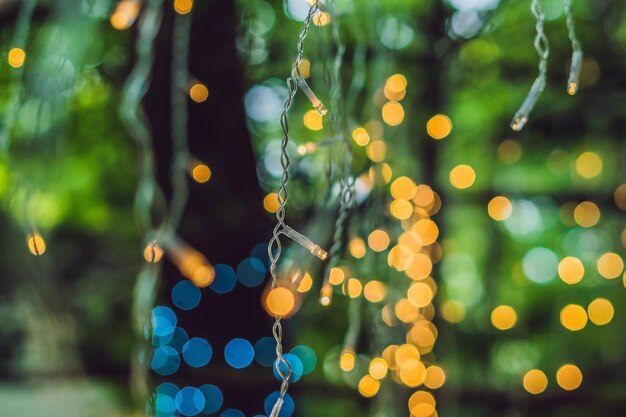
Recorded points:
(316, 102)
(326, 295)
(521, 117)
(305, 242)
(153, 252)
(574, 73)
(36, 244)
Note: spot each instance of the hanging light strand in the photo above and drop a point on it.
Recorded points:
(274, 246)
(573, 81)
(346, 193)
(135, 121)
(543, 50)
(180, 155)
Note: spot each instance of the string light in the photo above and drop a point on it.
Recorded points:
(305, 242)
(200, 172)
(36, 244)
(573, 81)
(315, 102)
(281, 366)
(543, 50)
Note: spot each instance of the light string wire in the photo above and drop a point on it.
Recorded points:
(133, 117)
(573, 81)
(274, 246)
(543, 50)
(19, 39)
(346, 181)
(180, 147)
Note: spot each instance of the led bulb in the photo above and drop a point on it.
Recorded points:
(574, 73)
(521, 117)
(305, 242)
(316, 102)
(326, 294)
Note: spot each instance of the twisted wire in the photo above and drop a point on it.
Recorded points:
(274, 246)
(180, 147)
(571, 26)
(135, 121)
(541, 41)
(20, 36)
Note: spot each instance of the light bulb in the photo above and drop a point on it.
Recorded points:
(305, 242)
(574, 73)
(316, 102)
(521, 117)
(326, 294)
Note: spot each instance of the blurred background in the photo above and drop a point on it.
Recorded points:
(477, 270)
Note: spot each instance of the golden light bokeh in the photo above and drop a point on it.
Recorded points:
(453, 311)
(499, 208)
(376, 151)
(280, 302)
(420, 294)
(368, 386)
(393, 113)
(125, 14)
(587, 214)
(183, 6)
(360, 136)
(270, 203)
(589, 165)
(198, 92)
(569, 377)
(378, 368)
(354, 287)
(439, 126)
(535, 381)
(401, 209)
(462, 176)
(406, 352)
(375, 291)
(503, 317)
(427, 230)
(610, 265)
(336, 276)
(378, 240)
(357, 247)
(36, 244)
(16, 57)
(313, 120)
(435, 377)
(400, 257)
(422, 404)
(405, 311)
(306, 282)
(403, 188)
(201, 173)
(600, 311)
(420, 268)
(571, 270)
(573, 317)
(424, 196)
(411, 240)
(347, 360)
(412, 373)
